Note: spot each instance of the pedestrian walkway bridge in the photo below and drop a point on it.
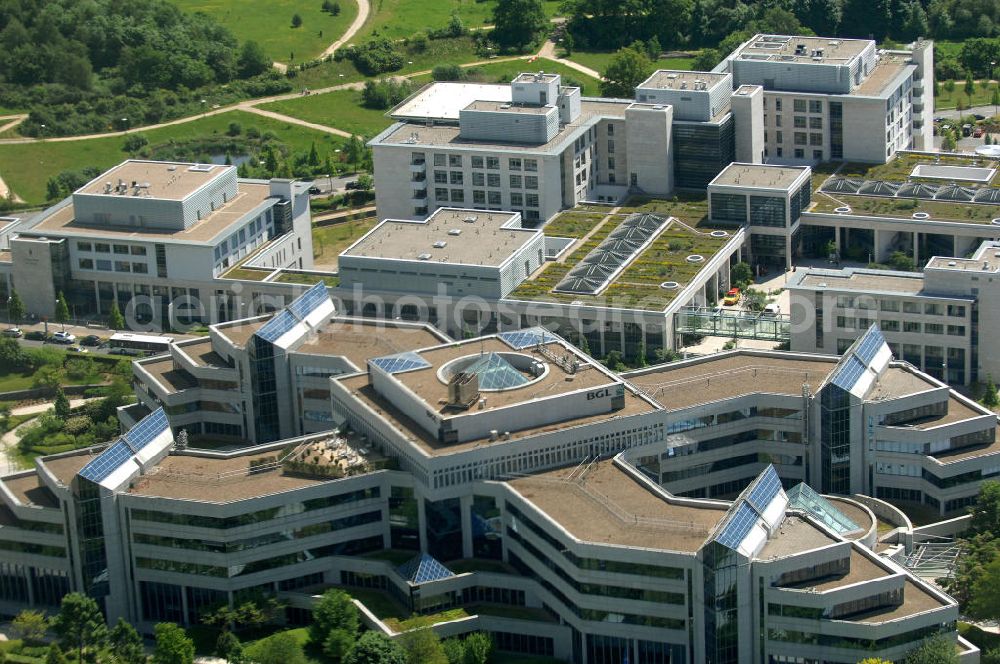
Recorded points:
(734, 324)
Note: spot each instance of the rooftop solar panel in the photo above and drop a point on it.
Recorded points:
(400, 362)
(306, 303)
(520, 339)
(147, 429)
(848, 373)
(282, 322)
(764, 491)
(737, 526)
(870, 344)
(106, 462)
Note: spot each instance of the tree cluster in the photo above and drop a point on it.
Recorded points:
(976, 582)
(385, 93)
(84, 66)
(375, 56)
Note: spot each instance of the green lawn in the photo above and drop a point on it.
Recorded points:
(982, 96)
(329, 241)
(270, 24)
(27, 167)
(504, 72)
(341, 109)
(398, 19)
(599, 60)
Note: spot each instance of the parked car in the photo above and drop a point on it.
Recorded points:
(966, 129)
(732, 297)
(63, 337)
(353, 184)
(35, 335)
(978, 132)
(90, 340)
(13, 332)
(772, 309)
(979, 116)
(315, 190)
(77, 349)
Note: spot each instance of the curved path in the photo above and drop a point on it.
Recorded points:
(364, 8)
(549, 51)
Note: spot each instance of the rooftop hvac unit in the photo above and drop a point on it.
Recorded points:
(424, 257)
(455, 231)
(463, 390)
(471, 219)
(440, 244)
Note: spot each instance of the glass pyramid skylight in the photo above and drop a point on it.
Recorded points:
(423, 568)
(495, 373)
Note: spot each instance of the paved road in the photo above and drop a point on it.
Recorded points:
(988, 111)
(548, 50)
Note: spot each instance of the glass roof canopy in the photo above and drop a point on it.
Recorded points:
(804, 497)
(495, 373)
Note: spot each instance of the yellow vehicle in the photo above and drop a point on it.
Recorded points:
(732, 297)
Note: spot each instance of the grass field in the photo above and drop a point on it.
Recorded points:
(341, 109)
(397, 19)
(599, 60)
(329, 241)
(270, 24)
(27, 167)
(944, 99)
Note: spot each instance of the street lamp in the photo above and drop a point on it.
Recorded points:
(41, 130)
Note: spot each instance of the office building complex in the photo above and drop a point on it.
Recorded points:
(150, 233)
(832, 99)
(660, 516)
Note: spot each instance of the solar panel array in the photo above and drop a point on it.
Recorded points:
(298, 310)
(858, 359)
(869, 345)
(526, 338)
(496, 373)
(738, 526)
(423, 568)
(400, 362)
(767, 486)
(911, 189)
(146, 430)
(848, 373)
(598, 267)
(107, 462)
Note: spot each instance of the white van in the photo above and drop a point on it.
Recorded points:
(773, 309)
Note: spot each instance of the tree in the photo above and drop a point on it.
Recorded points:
(754, 300)
(281, 648)
(134, 142)
(874, 660)
(937, 650)
(984, 603)
(15, 308)
(80, 625)
(55, 655)
(62, 311)
(615, 361)
(423, 646)
(252, 60)
(126, 643)
(228, 647)
(365, 182)
(296, 22)
(338, 643)
(986, 510)
(61, 405)
(568, 43)
(115, 319)
(517, 22)
(335, 610)
(627, 69)
(375, 648)
(30, 626)
(478, 646)
(990, 397)
(970, 87)
(740, 275)
(173, 646)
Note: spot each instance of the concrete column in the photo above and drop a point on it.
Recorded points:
(465, 505)
(422, 521)
(836, 239)
(788, 252)
(97, 299)
(916, 249)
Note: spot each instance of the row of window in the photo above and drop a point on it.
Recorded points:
(916, 327)
(117, 266)
(798, 105)
(908, 307)
(486, 179)
(491, 163)
(104, 248)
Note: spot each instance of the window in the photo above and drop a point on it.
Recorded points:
(799, 105)
(611, 147)
(933, 309)
(455, 160)
(777, 102)
(888, 305)
(815, 106)
(492, 179)
(956, 310)
(441, 177)
(956, 330)
(815, 139)
(818, 155)
(478, 180)
(441, 194)
(611, 163)
(911, 308)
(84, 246)
(531, 200)
(933, 328)
(800, 153)
(611, 129)
(493, 163)
(457, 177)
(889, 325)
(531, 165)
(778, 138)
(777, 120)
(911, 326)
(816, 123)
(494, 197)
(516, 199)
(439, 160)
(514, 164)
(845, 323)
(477, 162)
(799, 121)
(121, 248)
(800, 138)
(515, 182)
(102, 248)
(139, 251)
(457, 196)
(479, 197)
(530, 182)
(86, 264)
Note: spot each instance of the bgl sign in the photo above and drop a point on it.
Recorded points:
(599, 394)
